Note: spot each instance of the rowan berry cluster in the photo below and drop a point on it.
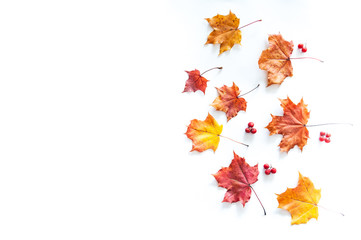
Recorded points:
(325, 137)
(250, 128)
(269, 169)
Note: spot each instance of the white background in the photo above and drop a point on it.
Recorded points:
(92, 119)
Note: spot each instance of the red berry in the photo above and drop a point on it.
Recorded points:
(304, 49)
(273, 170)
(322, 138)
(300, 45)
(253, 130)
(268, 171)
(250, 124)
(327, 140)
(328, 135)
(248, 130)
(322, 133)
(266, 166)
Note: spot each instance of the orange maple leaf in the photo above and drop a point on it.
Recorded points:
(300, 201)
(229, 102)
(225, 31)
(292, 125)
(276, 59)
(204, 134)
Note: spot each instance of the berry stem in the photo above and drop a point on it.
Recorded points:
(249, 24)
(211, 69)
(248, 91)
(264, 210)
(307, 58)
(234, 140)
(330, 210)
(322, 124)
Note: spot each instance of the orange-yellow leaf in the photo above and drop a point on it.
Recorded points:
(204, 134)
(225, 31)
(300, 201)
(229, 102)
(292, 125)
(276, 59)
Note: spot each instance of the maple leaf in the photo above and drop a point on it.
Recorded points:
(292, 125)
(204, 134)
(300, 201)
(276, 59)
(229, 102)
(237, 179)
(196, 82)
(225, 31)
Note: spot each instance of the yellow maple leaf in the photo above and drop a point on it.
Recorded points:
(300, 201)
(204, 134)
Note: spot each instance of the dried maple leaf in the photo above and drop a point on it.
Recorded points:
(300, 201)
(237, 179)
(276, 59)
(229, 102)
(204, 134)
(292, 125)
(196, 82)
(225, 31)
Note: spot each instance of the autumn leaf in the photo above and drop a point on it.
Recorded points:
(237, 179)
(292, 125)
(300, 201)
(229, 102)
(276, 59)
(196, 81)
(204, 134)
(225, 31)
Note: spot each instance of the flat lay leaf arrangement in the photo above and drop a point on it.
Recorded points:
(302, 201)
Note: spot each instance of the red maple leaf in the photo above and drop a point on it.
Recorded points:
(196, 82)
(237, 179)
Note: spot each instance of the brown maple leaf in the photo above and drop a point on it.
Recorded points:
(300, 201)
(229, 102)
(237, 179)
(292, 125)
(276, 59)
(225, 31)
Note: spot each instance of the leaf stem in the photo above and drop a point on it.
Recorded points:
(264, 210)
(249, 91)
(307, 58)
(315, 125)
(234, 140)
(330, 210)
(211, 69)
(249, 24)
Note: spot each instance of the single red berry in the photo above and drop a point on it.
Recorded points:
(253, 130)
(322, 133)
(250, 124)
(322, 138)
(248, 130)
(328, 135)
(304, 49)
(266, 166)
(327, 140)
(300, 45)
(273, 170)
(268, 171)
